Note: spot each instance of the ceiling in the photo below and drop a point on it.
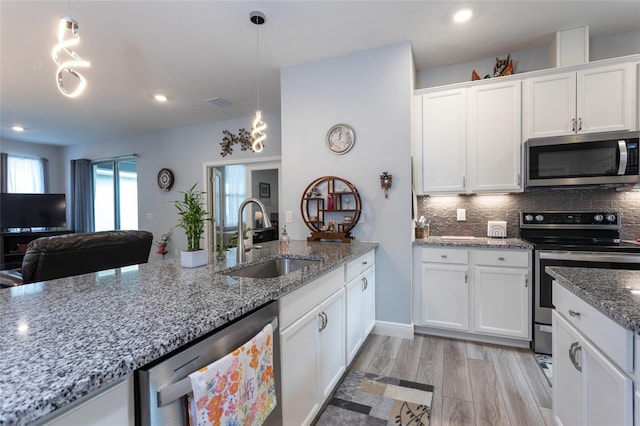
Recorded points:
(196, 50)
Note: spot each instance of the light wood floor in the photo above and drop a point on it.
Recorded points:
(475, 383)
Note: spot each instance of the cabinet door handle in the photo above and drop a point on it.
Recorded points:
(574, 313)
(526, 281)
(573, 124)
(464, 181)
(501, 258)
(580, 124)
(365, 284)
(573, 350)
(323, 321)
(466, 278)
(519, 179)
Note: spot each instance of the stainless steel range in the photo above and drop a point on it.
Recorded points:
(584, 239)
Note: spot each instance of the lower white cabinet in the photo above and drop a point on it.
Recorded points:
(588, 389)
(113, 406)
(323, 324)
(501, 293)
(479, 291)
(445, 290)
(361, 302)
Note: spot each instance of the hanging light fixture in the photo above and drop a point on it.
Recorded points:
(69, 66)
(258, 127)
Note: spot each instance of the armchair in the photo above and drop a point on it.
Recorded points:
(61, 256)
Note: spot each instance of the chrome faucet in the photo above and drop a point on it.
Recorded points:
(267, 224)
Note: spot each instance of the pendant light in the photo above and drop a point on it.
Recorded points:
(70, 66)
(258, 127)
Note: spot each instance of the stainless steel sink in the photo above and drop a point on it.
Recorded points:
(272, 268)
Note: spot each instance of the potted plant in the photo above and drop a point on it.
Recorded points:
(192, 216)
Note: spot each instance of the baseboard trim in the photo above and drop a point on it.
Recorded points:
(505, 341)
(394, 329)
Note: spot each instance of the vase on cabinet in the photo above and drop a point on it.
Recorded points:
(193, 259)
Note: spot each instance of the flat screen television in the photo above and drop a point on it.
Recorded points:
(32, 211)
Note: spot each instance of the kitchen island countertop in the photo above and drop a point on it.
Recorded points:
(63, 339)
(614, 292)
(473, 242)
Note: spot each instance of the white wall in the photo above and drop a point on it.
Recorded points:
(183, 150)
(52, 153)
(371, 91)
(605, 47)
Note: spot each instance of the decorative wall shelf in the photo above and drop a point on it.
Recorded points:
(330, 208)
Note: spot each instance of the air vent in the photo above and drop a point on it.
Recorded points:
(219, 102)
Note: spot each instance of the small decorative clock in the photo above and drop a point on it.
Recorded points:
(340, 138)
(165, 179)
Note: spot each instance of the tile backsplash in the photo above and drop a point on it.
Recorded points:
(441, 210)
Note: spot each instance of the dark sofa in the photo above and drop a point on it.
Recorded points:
(61, 256)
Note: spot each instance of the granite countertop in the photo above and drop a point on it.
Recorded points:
(455, 241)
(614, 292)
(60, 340)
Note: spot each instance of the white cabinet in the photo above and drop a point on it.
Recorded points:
(443, 141)
(591, 100)
(331, 360)
(106, 407)
(501, 293)
(479, 291)
(312, 341)
(592, 366)
(361, 302)
(494, 137)
(588, 389)
(470, 139)
(323, 325)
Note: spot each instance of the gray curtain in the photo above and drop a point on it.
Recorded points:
(3, 171)
(45, 174)
(81, 196)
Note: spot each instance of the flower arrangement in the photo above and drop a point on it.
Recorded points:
(163, 244)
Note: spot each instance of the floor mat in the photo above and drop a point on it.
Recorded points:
(368, 399)
(546, 364)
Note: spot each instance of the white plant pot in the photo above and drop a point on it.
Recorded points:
(193, 259)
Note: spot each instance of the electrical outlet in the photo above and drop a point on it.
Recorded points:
(461, 215)
(288, 216)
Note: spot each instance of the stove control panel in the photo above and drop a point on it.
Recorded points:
(556, 219)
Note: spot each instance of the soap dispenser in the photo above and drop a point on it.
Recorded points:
(284, 241)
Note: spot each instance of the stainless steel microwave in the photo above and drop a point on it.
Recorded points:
(586, 159)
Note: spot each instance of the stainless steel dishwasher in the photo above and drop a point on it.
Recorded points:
(162, 387)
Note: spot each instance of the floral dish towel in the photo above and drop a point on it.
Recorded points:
(238, 389)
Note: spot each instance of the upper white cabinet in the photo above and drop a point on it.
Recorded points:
(591, 100)
(443, 141)
(469, 139)
(494, 137)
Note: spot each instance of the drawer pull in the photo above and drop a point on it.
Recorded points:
(364, 263)
(444, 256)
(574, 313)
(501, 258)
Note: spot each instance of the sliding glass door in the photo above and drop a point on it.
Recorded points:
(115, 199)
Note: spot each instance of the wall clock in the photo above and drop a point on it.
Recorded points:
(340, 138)
(165, 179)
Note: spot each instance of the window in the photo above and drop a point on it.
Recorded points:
(235, 191)
(25, 175)
(115, 195)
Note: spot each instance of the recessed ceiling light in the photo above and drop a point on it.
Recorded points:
(17, 128)
(160, 98)
(463, 15)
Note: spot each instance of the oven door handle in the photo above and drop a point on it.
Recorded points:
(588, 256)
(622, 167)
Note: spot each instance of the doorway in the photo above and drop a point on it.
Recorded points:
(228, 183)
